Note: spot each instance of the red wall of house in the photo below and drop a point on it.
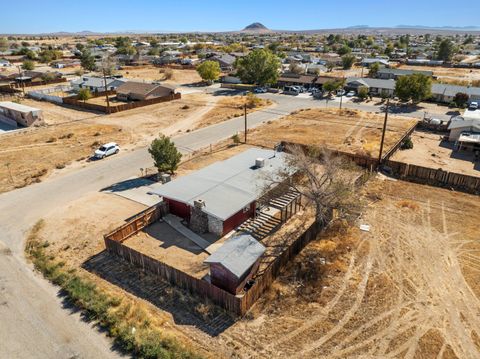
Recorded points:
(179, 209)
(238, 218)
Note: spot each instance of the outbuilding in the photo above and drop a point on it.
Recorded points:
(235, 262)
(21, 114)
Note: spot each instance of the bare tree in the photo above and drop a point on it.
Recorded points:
(324, 179)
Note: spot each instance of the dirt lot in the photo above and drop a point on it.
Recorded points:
(349, 131)
(446, 73)
(152, 73)
(29, 156)
(430, 151)
(406, 289)
(231, 107)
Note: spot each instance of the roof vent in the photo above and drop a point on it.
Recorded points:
(260, 162)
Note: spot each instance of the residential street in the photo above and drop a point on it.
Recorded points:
(33, 322)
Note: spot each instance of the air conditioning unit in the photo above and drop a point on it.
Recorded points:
(260, 162)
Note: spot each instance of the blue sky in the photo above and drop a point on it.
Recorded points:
(37, 16)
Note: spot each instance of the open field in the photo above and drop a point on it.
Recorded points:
(447, 73)
(407, 289)
(30, 155)
(152, 73)
(430, 151)
(350, 131)
(231, 107)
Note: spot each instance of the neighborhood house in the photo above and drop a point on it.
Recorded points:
(139, 91)
(96, 84)
(220, 197)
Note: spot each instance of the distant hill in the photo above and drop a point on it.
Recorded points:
(256, 27)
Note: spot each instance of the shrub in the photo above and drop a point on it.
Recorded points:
(236, 139)
(407, 144)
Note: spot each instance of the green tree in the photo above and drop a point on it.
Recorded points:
(209, 71)
(47, 56)
(259, 67)
(446, 50)
(415, 87)
(28, 65)
(84, 95)
(3, 44)
(348, 61)
(165, 155)
(87, 61)
(332, 85)
(373, 70)
(461, 99)
(363, 92)
(344, 50)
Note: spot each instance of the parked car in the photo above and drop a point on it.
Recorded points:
(351, 94)
(107, 149)
(291, 90)
(341, 93)
(473, 106)
(260, 90)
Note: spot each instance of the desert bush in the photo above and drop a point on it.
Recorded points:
(407, 144)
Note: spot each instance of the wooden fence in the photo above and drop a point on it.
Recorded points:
(236, 304)
(413, 173)
(435, 177)
(74, 101)
(138, 222)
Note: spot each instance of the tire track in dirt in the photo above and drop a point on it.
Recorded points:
(359, 296)
(324, 311)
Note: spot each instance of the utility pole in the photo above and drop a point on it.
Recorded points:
(383, 132)
(106, 90)
(245, 112)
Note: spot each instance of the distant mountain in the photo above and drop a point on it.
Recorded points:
(458, 28)
(256, 27)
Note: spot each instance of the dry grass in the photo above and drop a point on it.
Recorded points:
(350, 131)
(30, 155)
(151, 73)
(231, 107)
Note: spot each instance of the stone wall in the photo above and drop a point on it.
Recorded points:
(198, 219)
(215, 225)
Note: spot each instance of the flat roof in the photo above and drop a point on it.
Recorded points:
(226, 186)
(469, 137)
(18, 107)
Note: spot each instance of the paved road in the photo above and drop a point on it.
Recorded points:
(32, 321)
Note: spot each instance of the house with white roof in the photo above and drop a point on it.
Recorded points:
(220, 197)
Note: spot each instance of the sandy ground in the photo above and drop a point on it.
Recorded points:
(162, 242)
(230, 107)
(448, 73)
(151, 73)
(349, 131)
(430, 151)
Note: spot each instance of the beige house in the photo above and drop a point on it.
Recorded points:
(139, 91)
(21, 114)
